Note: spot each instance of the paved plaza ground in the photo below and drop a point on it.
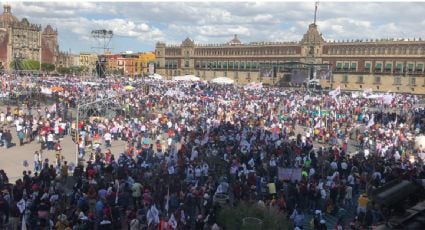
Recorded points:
(11, 159)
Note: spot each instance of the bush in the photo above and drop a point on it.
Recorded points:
(47, 67)
(232, 217)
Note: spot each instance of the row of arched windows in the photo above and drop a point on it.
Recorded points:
(247, 52)
(395, 50)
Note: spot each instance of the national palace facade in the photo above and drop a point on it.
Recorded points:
(395, 65)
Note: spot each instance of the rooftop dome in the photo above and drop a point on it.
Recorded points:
(7, 17)
(235, 40)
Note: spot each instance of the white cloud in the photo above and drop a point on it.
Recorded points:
(143, 27)
(216, 22)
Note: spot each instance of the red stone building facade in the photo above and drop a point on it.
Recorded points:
(49, 45)
(22, 40)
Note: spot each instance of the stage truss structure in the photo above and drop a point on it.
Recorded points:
(107, 107)
(103, 40)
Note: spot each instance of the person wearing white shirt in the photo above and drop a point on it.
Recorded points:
(334, 165)
(36, 161)
(108, 138)
(2, 118)
(348, 198)
(194, 154)
(50, 141)
(19, 127)
(205, 168)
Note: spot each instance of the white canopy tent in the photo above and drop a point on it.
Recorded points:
(90, 83)
(223, 80)
(156, 76)
(186, 78)
(253, 86)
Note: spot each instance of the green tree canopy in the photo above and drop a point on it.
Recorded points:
(47, 67)
(15, 65)
(26, 64)
(63, 70)
(29, 64)
(232, 217)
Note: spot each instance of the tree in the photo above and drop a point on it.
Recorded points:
(232, 217)
(15, 65)
(76, 69)
(29, 64)
(47, 67)
(63, 70)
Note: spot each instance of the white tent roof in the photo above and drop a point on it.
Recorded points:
(186, 78)
(90, 83)
(156, 76)
(253, 86)
(223, 80)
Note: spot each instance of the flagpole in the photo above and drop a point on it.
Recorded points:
(168, 201)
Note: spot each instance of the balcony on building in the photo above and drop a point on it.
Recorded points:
(367, 68)
(353, 67)
(419, 69)
(378, 69)
(388, 68)
(338, 68)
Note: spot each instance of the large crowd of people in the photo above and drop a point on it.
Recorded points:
(194, 147)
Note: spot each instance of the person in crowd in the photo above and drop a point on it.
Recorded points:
(191, 148)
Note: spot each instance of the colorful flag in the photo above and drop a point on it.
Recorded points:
(335, 92)
(172, 221)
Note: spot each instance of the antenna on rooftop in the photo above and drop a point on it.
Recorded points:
(315, 11)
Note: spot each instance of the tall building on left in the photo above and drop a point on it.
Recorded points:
(21, 40)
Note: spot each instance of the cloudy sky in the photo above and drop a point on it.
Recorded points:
(139, 25)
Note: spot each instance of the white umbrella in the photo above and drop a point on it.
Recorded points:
(156, 76)
(223, 80)
(186, 78)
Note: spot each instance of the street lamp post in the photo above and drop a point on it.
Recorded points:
(77, 136)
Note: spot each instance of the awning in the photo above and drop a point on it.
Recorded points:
(367, 65)
(399, 66)
(338, 65)
(419, 66)
(223, 80)
(378, 65)
(353, 65)
(388, 66)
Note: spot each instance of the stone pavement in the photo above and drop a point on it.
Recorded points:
(11, 159)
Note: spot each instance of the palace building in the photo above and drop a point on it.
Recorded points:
(395, 65)
(25, 41)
